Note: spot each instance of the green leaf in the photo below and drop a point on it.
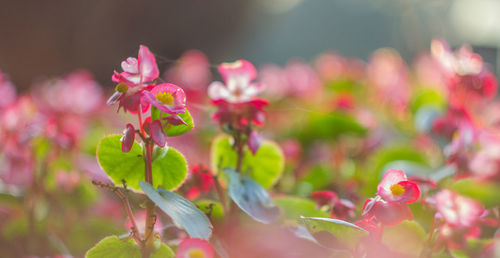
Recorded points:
(485, 192)
(163, 251)
(169, 170)
(251, 197)
(428, 97)
(214, 208)
(175, 130)
(112, 246)
(344, 232)
(265, 167)
(180, 210)
(407, 237)
(295, 207)
(329, 126)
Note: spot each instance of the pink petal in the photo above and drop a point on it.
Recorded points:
(176, 91)
(217, 90)
(238, 68)
(114, 98)
(147, 65)
(130, 65)
(390, 213)
(324, 197)
(149, 98)
(128, 138)
(254, 142)
(157, 133)
(194, 245)
(411, 194)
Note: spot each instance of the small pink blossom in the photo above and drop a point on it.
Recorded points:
(387, 213)
(458, 210)
(237, 86)
(254, 142)
(194, 247)
(395, 187)
(7, 91)
(167, 97)
(157, 134)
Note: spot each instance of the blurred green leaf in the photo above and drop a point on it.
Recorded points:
(169, 170)
(294, 207)
(427, 97)
(175, 130)
(328, 127)
(265, 167)
(407, 237)
(344, 232)
(112, 246)
(488, 193)
(180, 210)
(214, 208)
(319, 177)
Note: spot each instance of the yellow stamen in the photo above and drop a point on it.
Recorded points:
(121, 87)
(397, 189)
(165, 98)
(196, 253)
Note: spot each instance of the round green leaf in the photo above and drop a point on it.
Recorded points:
(175, 130)
(265, 167)
(112, 246)
(169, 170)
(214, 208)
(295, 207)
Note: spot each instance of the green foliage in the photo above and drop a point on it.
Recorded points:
(174, 130)
(265, 167)
(295, 207)
(329, 127)
(346, 233)
(169, 170)
(112, 246)
(214, 208)
(407, 237)
(180, 210)
(428, 97)
(485, 192)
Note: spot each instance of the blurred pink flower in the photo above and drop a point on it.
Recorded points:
(191, 71)
(457, 210)
(7, 91)
(387, 213)
(194, 247)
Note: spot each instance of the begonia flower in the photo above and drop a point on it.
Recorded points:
(157, 134)
(458, 210)
(323, 198)
(395, 187)
(134, 80)
(194, 248)
(238, 86)
(7, 91)
(167, 97)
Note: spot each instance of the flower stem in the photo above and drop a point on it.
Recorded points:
(150, 206)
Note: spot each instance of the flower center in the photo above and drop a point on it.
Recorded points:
(121, 87)
(196, 253)
(165, 98)
(397, 189)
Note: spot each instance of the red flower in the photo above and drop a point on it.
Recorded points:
(387, 213)
(458, 210)
(201, 181)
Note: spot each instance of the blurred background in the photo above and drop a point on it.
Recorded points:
(51, 38)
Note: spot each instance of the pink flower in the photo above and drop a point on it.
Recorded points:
(468, 77)
(387, 213)
(395, 187)
(486, 163)
(157, 134)
(191, 71)
(237, 86)
(323, 198)
(194, 247)
(133, 81)
(167, 97)
(458, 210)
